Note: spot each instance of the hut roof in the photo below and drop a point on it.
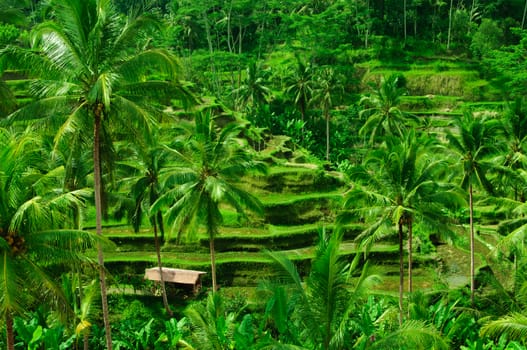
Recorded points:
(174, 275)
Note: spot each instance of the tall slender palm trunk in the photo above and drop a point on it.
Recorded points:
(449, 35)
(401, 273)
(410, 258)
(160, 265)
(404, 20)
(98, 221)
(472, 262)
(327, 135)
(9, 331)
(213, 264)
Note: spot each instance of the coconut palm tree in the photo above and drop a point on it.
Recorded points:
(327, 89)
(143, 168)
(253, 92)
(205, 177)
(384, 117)
(324, 311)
(36, 227)
(300, 85)
(512, 325)
(397, 186)
(515, 150)
(473, 143)
(212, 326)
(92, 70)
(315, 314)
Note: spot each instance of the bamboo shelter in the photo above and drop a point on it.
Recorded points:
(176, 276)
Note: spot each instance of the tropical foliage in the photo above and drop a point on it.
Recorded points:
(397, 126)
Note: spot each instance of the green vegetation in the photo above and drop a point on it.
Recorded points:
(302, 154)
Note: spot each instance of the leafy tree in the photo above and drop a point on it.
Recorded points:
(397, 186)
(472, 144)
(488, 37)
(507, 65)
(36, 227)
(206, 176)
(93, 69)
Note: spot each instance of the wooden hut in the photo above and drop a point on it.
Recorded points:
(176, 276)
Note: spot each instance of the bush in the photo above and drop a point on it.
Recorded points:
(488, 37)
(8, 34)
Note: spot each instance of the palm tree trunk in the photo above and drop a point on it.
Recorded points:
(401, 273)
(98, 221)
(404, 19)
(449, 35)
(215, 84)
(302, 108)
(9, 331)
(472, 263)
(85, 337)
(86, 341)
(410, 259)
(327, 135)
(471, 16)
(158, 254)
(524, 13)
(161, 226)
(213, 263)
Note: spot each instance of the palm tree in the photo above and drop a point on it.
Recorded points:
(300, 85)
(472, 144)
(35, 227)
(397, 186)
(93, 70)
(512, 325)
(83, 299)
(209, 166)
(326, 310)
(253, 93)
(384, 117)
(315, 314)
(212, 326)
(145, 167)
(327, 88)
(515, 139)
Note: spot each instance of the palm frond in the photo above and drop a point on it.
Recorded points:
(161, 61)
(64, 246)
(42, 281)
(11, 283)
(513, 325)
(413, 335)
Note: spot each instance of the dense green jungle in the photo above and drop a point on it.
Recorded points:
(340, 174)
